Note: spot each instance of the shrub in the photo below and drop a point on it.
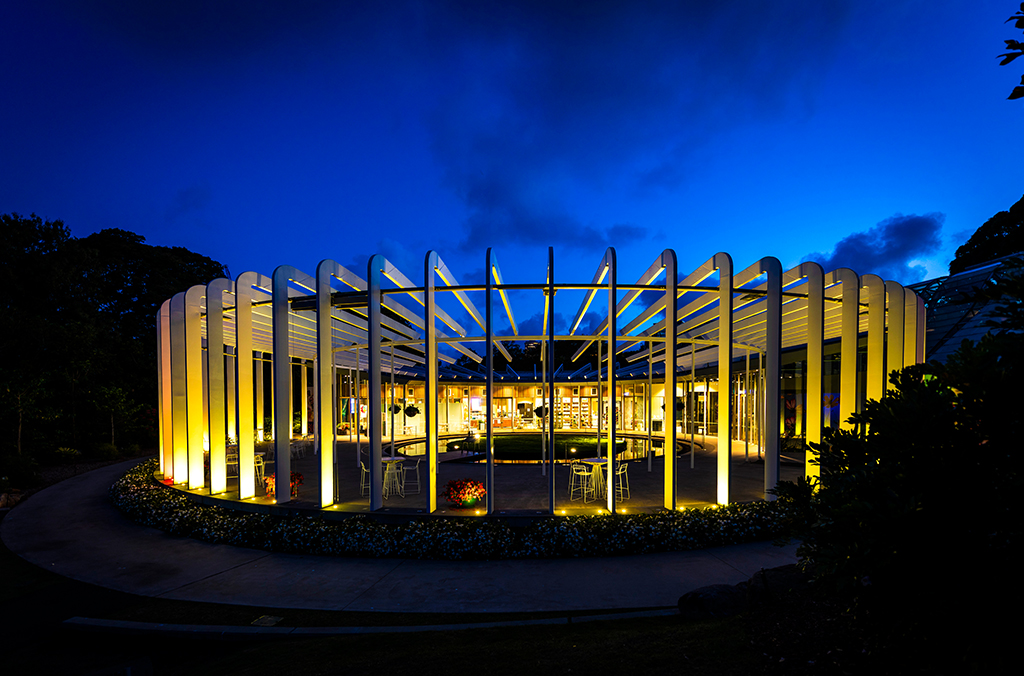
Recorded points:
(68, 455)
(101, 451)
(151, 503)
(916, 508)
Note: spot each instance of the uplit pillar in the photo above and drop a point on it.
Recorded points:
(848, 344)
(896, 301)
(815, 339)
(489, 360)
(178, 469)
(875, 297)
(613, 423)
(194, 384)
(430, 265)
(324, 397)
(910, 329)
(244, 385)
(373, 423)
(304, 398)
(216, 389)
(723, 263)
(668, 261)
(772, 368)
(163, 375)
(282, 361)
(231, 354)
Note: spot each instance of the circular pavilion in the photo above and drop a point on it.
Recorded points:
(253, 369)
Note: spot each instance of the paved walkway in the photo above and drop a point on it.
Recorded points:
(72, 529)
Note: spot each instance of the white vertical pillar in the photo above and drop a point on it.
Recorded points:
(489, 359)
(910, 328)
(894, 328)
(875, 298)
(324, 379)
(303, 397)
(772, 369)
(217, 391)
(550, 330)
(178, 471)
(229, 383)
(848, 345)
(282, 383)
(373, 395)
(163, 374)
(194, 384)
(669, 494)
(723, 262)
(244, 386)
(430, 265)
(815, 358)
(613, 423)
(922, 330)
(260, 397)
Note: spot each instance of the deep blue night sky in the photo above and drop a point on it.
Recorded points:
(875, 134)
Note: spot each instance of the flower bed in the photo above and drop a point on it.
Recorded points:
(463, 493)
(151, 503)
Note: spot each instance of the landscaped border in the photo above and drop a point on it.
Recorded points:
(154, 504)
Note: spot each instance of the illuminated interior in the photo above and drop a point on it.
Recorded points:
(747, 351)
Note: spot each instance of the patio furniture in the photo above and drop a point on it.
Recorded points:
(260, 467)
(364, 479)
(393, 477)
(231, 460)
(413, 469)
(580, 485)
(622, 482)
(597, 466)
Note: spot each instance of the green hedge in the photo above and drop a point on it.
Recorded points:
(151, 503)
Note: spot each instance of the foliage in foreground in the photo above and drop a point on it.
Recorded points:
(915, 517)
(151, 503)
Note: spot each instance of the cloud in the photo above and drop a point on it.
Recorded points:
(201, 31)
(188, 200)
(551, 102)
(890, 249)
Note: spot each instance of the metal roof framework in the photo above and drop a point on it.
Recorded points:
(714, 317)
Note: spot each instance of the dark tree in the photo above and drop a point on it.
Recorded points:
(1015, 48)
(1001, 235)
(79, 338)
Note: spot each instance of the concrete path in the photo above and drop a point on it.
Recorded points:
(72, 529)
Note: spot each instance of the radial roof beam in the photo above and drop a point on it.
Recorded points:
(499, 281)
(403, 282)
(645, 279)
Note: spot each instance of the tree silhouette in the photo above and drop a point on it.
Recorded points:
(1014, 49)
(1001, 235)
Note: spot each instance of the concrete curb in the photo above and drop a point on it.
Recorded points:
(247, 632)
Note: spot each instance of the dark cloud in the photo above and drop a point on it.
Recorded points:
(200, 30)
(888, 249)
(552, 99)
(534, 326)
(188, 200)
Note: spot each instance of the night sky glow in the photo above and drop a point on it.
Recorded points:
(873, 134)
